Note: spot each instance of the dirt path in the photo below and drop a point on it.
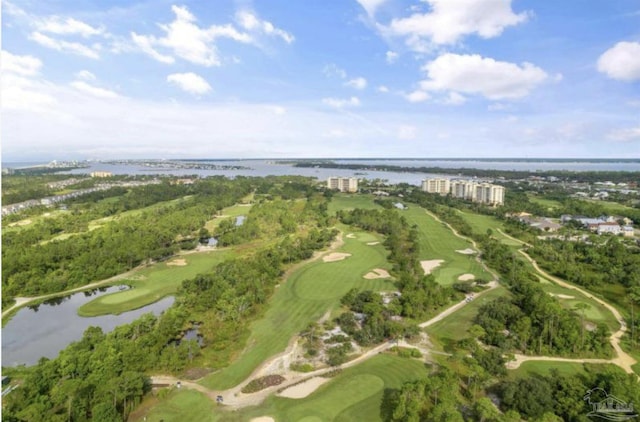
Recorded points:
(622, 359)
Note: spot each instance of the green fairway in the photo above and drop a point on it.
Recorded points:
(343, 201)
(549, 204)
(229, 212)
(481, 223)
(610, 207)
(455, 326)
(354, 395)
(307, 294)
(153, 283)
(183, 405)
(437, 241)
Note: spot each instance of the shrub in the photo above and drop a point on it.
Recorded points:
(262, 383)
(301, 367)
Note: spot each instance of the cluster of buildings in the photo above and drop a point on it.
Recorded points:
(602, 225)
(343, 184)
(482, 192)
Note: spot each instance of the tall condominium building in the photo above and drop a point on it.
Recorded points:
(343, 184)
(441, 186)
(485, 193)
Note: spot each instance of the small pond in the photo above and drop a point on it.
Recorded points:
(44, 330)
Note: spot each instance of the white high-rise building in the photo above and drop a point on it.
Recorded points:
(440, 186)
(343, 184)
(485, 193)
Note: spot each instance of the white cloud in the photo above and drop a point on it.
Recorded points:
(276, 109)
(190, 82)
(85, 75)
(250, 22)
(383, 89)
(357, 83)
(455, 99)
(185, 39)
(625, 135)
(417, 96)
(474, 74)
(22, 65)
(20, 93)
(64, 46)
(335, 133)
(407, 132)
(448, 21)
(93, 90)
(621, 62)
(332, 70)
(391, 56)
(370, 6)
(69, 26)
(341, 102)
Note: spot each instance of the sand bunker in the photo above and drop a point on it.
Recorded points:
(376, 273)
(336, 256)
(467, 251)
(430, 265)
(351, 236)
(177, 263)
(302, 390)
(561, 296)
(466, 277)
(263, 419)
(373, 243)
(20, 223)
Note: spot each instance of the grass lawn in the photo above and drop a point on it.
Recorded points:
(354, 395)
(180, 405)
(530, 368)
(343, 201)
(455, 326)
(153, 283)
(481, 223)
(610, 207)
(438, 242)
(229, 212)
(549, 204)
(307, 294)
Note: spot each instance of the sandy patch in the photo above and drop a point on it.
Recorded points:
(20, 223)
(430, 265)
(263, 419)
(466, 277)
(376, 273)
(351, 236)
(561, 296)
(302, 390)
(336, 256)
(373, 243)
(467, 251)
(177, 263)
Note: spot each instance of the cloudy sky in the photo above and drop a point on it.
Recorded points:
(320, 78)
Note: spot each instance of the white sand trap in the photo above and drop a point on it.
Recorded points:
(467, 251)
(302, 390)
(561, 296)
(430, 265)
(177, 263)
(263, 419)
(466, 277)
(351, 236)
(373, 243)
(376, 273)
(20, 223)
(336, 256)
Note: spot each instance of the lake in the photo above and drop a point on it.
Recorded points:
(45, 330)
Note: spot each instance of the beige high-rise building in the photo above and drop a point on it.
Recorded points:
(485, 193)
(343, 184)
(440, 186)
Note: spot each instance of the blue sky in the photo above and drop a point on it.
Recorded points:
(367, 78)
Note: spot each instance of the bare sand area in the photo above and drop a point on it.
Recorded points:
(376, 273)
(351, 236)
(467, 251)
(263, 419)
(302, 390)
(177, 263)
(373, 243)
(20, 223)
(335, 256)
(561, 296)
(466, 277)
(430, 265)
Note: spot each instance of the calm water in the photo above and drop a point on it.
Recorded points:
(45, 331)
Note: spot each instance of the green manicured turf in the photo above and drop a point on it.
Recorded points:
(153, 283)
(229, 212)
(610, 207)
(353, 395)
(455, 326)
(437, 241)
(550, 204)
(183, 405)
(343, 201)
(481, 223)
(307, 294)
(526, 369)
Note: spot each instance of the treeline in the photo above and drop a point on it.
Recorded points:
(421, 295)
(118, 246)
(580, 176)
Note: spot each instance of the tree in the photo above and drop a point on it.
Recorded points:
(581, 306)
